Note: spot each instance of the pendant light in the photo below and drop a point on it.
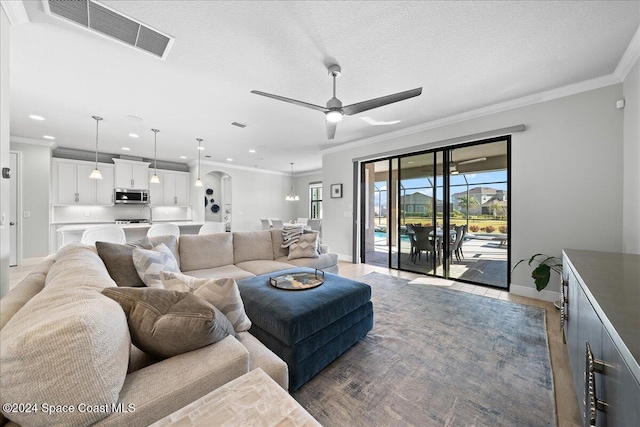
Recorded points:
(95, 174)
(154, 178)
(198, 181)
(292, 196)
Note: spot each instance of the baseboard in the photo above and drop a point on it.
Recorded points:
(347, 258)
(525, 291)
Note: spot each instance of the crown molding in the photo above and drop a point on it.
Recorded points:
(16, 13)
(301, 174)
(224, 166)
(629, 57)
(33, 141)
(561, 92)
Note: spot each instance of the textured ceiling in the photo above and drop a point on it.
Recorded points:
(465, 55)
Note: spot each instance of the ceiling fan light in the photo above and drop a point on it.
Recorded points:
(454, 172)
(95, 174)
(334, 116)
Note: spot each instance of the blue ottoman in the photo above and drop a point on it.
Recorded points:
(310, 328)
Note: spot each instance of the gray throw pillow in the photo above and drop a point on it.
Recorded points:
(305, 247)
(221, 293)
(164, 323)
(170, 241)
(119, 262)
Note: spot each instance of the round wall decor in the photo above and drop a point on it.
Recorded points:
(209, 191)
(206, 202)
(215, 208)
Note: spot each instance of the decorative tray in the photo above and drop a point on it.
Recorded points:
(298, 281)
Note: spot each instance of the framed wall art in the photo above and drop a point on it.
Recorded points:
(336, 191)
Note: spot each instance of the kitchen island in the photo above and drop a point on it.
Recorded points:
(67, 233)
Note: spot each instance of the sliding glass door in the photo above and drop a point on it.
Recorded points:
(440, 212)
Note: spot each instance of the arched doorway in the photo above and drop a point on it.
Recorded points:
(217, 193)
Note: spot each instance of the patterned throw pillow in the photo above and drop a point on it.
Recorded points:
(221, 293)
(306, 247)
(150, 262)
(165, 323)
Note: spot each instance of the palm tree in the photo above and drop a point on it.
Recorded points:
(467, 202)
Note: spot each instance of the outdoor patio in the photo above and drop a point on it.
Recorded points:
(484, 262)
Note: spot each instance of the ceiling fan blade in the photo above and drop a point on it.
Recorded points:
(352, 109)
(292, 101)
(331, 129)
(479, 159)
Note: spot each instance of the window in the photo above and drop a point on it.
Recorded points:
(315, 196)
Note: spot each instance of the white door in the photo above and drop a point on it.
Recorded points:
(13, 206)
(182, 189)
(86, 186)
(140, 175)
(169, 188)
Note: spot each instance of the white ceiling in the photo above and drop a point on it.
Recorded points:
(465, 55)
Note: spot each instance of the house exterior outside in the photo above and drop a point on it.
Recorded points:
(489, 201)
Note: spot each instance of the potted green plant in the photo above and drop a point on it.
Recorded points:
(542, 272)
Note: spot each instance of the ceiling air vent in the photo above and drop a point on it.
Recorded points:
(108, 22)
(240, 125)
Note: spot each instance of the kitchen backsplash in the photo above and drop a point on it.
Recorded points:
(89, 214)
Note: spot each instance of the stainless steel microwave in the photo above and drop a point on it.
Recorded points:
(131, 197)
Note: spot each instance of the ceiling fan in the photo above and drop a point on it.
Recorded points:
(453, 166)
(334, 109)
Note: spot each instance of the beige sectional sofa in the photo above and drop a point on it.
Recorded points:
(64, 343)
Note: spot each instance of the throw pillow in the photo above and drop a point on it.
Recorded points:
(305, 247)
(164, 323)
(170, 241)
(149, 263)
(119, 262)
(221, 293)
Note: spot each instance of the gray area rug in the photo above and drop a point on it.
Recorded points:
(438, 357)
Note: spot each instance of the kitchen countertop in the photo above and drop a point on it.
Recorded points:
(84, 226)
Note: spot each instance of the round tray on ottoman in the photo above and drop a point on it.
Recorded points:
(298, 281)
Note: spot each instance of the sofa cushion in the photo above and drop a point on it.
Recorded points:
(221, 293)
(252, 245)
(28, 287)
(305, 247)
(68, 344)
(164, 323)
(170, 241)
(261, 357)
(202, 251)
(119, 261)
(230, 271)
(264, 267)
(150, 262)
(323, 261)
(276, 242)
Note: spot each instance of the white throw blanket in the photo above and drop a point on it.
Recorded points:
(291, 234)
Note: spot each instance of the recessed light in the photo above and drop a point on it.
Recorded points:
(200, 147)
(126, 148)
(229, 160)
(183, 157)
(133, 135)
(48, 137)
(252, 151)
(36, 117)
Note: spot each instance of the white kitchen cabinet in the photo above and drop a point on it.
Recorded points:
(173, 189)
(72, 185)
(132, 174)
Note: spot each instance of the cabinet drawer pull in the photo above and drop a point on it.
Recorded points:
(591, 403)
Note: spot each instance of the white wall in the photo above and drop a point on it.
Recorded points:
(255, 194)
(566, 176)
(35, 178)
(5, 238)
(631, 186)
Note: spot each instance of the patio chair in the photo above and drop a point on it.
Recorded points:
(456, 242)
(103, 233)
(464, 234)
(163, 230)
(424, 242)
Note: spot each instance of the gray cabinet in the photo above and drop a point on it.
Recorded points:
(600, 314)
